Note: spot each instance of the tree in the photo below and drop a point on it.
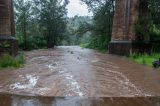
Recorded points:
(40, 23)
(23, 15)
(154, 6)
(52, 19)
(103, 11)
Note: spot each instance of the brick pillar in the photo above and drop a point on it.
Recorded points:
(124, 39)
(8, 43)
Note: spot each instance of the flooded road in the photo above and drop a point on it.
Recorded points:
(76, 72)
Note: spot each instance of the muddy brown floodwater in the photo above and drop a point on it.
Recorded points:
(82, 73)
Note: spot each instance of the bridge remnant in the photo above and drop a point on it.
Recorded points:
(124, 40)
(8, 42)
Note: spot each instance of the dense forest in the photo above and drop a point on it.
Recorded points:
(41, 24)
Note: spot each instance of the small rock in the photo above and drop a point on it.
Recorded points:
(156, 64)
(72, 52)
(78, 58)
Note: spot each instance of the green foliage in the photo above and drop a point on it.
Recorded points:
(7, 61)
(155, 31)
(142, 28)
(99, 43)
(154, 6)
(5, 44)
(77, 31)
(43, 23)
(84, 45)
(23, 14)
(52, 19)
(101, 28)
(145, 59)
(155, 37)
(92, 45)
(40, 23)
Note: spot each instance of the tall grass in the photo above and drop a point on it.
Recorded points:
(145, 59)
(8, 61)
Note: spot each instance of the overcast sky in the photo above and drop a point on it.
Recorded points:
(75, 7)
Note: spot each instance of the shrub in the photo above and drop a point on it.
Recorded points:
(8, 61)
(145, 58)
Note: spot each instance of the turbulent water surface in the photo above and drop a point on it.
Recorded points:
(76, 72)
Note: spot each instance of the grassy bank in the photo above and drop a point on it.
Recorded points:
(145, 59)
(7, 61)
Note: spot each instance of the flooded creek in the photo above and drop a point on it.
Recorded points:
(76, 72)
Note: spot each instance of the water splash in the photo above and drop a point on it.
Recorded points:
(32, 81)
(74, 85)
(121, 80)
(53, 66)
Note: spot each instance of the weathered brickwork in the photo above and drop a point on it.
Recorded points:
(124, 39)
(125, 17)
(8, 43)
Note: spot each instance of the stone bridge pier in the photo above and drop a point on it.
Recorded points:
(124, 40)
(8, 42)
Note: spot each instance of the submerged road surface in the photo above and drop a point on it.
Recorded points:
(73, 71)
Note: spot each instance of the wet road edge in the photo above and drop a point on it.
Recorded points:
(19, 100)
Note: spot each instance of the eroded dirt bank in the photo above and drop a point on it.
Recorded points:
(72, 71)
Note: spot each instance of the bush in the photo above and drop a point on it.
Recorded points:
(8, 61)
(145, 58)
(84, 45)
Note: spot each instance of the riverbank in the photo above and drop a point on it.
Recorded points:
(145, 59)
